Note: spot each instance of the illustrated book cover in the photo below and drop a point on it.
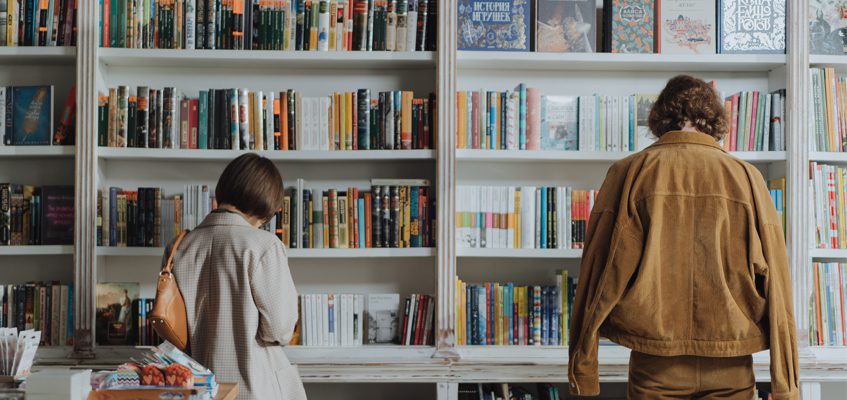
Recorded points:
(501, 25)
(114, 317)
(687, 27)
(566, 26)
(32, 115)
(752, 27)
(559, 123)
(629, 26)
(828, 27)
(383, 317)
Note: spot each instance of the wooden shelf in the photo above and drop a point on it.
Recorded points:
(820, 60)
(830, 157)
(468, 155)
(292, 253)
(828, 253)
(518, 253)
(37, 56)
(530, 61)
(251, 59)
(37, 151)
(35, 250)
(135, 154)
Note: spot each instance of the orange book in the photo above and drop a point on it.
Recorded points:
(283, 120)
(406, 121)
(348, 121)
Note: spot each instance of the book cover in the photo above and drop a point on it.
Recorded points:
(559, 123)
(114, 312)
(752, 27)
(566, 26)
(494, 25)
(32, 115)
(687, 27)
(383, 317)
(629, 26)
(643, 105)
(828, 27)
(57, 215)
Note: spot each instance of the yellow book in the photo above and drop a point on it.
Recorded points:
(510, 218)
(406, 120)
(460, 299)
(495, 323)
(348, 121)
(407, 215)
(462, 132)
(563, 322)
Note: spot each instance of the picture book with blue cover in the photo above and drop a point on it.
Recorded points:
(30, 117)
(501, 25)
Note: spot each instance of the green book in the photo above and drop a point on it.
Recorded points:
(203, 121)
(121, 19)
(749, 122)
(760, 131)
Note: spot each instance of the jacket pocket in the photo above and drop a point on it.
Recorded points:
(289, 384)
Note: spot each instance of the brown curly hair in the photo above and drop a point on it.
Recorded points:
(686, 98)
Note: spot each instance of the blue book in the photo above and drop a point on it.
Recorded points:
(501, 25)
(32, 115)
(70, 328)
(746, 28)
(203, 121)
(543, 213)
(470, 337)
(481, 305)
(361, 207)
(414, 216)
(492, 122)
(522, 116)
(554, 316)
(492, 306)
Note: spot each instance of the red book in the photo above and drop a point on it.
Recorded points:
(405, 322)
(283, 120)
(183, 124)
(193, 119)
(66, 131)
(368, 222)
(420, 316)
(354, 113)
(355, 218)
(106, 13)
(751, 145)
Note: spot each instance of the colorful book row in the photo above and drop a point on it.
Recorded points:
(525, 217)
(755, 121)
(829, 199)
(42, 306)
(33, 215)
(829, 110)
(240, 119)
(38, 23)
(330, 320)
(307, 25)
(26, 116)
(829, 302)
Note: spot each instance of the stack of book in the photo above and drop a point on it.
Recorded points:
(828, 325)
(308, 25)
(756, 121)
(33, 215)
(240, 119)
(396, 213)
(829, 116)
(523, 119)
(42, 306)
(632, 26)
(525, 217)
(829, 199)
(330, 320)
(510, 315)
(38, 23)
(26, 116)
(145, 218)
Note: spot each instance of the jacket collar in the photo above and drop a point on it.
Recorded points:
(219, 217)
(687, 137)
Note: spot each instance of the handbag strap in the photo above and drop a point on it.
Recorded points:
(166, 270)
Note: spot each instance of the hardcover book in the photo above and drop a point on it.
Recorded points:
(629, 26)
(383, 317)
(57, 215)
(828, 27)
(494, 25)
(559, 123)
(32, 115)
(752, 27)
(114, 312)
(643, 105)
(687, 27)
(566, 26)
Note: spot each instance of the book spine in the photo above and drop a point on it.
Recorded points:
(363, 119)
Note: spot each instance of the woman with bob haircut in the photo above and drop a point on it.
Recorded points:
(240, 299)
(685, 264)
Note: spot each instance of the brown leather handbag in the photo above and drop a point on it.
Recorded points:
(169, 316)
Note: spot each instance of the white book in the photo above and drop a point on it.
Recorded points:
(191, 22)
(510, 212)
(359, 307)
(766, 130)
(568, 217)
(409, 322)
(412, 23)
(326, 110)
(324, 317)
(485, 210)
(347, 319)
(304, 324)
(528, 217)
(269, 120)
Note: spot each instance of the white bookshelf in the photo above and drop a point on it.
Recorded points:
(306, 156)
(828, 157)
(507, 156)
(37, 151)
(820, 60)
(39, 250)
(525, 61)
(829, 254)
(37, 55)
(464, 252)
(292, 253)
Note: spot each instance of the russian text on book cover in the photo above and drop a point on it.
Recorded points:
(753, 26)
(494, 25)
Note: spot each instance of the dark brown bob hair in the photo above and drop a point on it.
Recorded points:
(686, 98)
(252, 184)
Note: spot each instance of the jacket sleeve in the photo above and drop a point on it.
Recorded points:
(275, 296)
(613, 251)
(777, 292)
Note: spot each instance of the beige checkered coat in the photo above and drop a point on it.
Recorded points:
(242, 305)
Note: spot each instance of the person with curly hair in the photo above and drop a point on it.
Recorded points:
(685, 263)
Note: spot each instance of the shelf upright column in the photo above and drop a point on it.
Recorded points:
(85, 181)
(446, 179)
(797, 122)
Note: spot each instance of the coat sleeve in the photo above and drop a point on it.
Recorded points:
(777, 292)
(275, 296)
(612, 252)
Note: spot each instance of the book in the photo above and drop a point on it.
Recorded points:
(566, 26)
(827, 27)
(751, 27)
(559, 123)
(494, 25)
(383, 318)
(643, 105)
(629, 26)
(57, 215)
(30, 120)
(114, 316)
(687, 27)
(331, 320)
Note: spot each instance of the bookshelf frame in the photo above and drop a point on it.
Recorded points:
(445, 363)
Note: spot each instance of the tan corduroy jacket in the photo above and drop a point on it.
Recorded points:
(685, 255)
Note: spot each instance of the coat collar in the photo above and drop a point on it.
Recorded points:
(219, 217)
(687, 137)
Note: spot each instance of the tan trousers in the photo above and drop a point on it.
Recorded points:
(690, 377)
